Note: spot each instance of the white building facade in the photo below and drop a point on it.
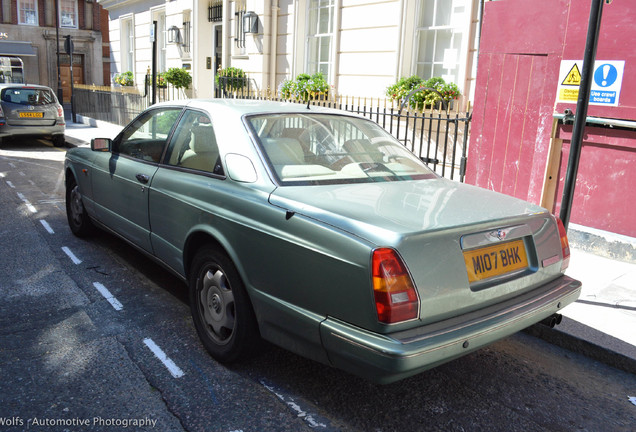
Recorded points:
(360, 46)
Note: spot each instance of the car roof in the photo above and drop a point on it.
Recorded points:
(247, 107)
(22, 85)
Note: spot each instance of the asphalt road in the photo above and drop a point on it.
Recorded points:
(94, 336)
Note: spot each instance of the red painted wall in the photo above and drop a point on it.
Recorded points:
(521, 49)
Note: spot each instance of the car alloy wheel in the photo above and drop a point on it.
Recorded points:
(216, 303)
(78, 220)
(220, 307)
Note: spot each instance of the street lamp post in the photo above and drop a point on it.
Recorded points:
(60, 91)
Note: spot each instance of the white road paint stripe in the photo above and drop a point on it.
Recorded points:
(309, 418)
(27, 203)
(71, 255)
(108, 296)
(10, 184)
(11, 164)
(22, 174)
(46, 226)
(175, 371)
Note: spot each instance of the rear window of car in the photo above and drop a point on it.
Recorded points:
(27, 96)
(333, 149)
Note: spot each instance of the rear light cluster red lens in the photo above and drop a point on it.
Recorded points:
(565, 245)
(60, 111)
(395, 296)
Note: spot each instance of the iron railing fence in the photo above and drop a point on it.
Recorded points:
(120, 105)
(438, 137)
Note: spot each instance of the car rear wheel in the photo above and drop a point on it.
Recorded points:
(78, 220)
(58, 141)
(221, 309)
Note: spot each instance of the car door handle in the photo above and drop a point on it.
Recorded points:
(143, 178)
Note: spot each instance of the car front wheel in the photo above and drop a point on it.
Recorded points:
(78, 220)
(221, 309)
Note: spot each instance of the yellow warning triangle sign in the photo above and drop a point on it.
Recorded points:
(573, 78)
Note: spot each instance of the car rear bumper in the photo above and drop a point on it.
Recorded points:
(14, 130)
(388, 358)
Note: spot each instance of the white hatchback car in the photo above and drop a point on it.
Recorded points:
(31, 110)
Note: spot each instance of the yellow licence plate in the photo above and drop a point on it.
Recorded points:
(31, 114)
(495, 260)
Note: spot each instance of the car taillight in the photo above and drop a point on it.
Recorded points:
(60, 111)
(565, 245)
(395, 296)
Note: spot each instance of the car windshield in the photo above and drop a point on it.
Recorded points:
(28, 96)
(329, 148)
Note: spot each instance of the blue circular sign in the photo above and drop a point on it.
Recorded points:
(605, 75)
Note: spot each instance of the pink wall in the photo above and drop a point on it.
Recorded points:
(521, 50)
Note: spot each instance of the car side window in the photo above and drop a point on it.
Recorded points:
(194, 144)
(146, 137)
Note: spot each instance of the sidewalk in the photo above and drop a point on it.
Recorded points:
(600, 325)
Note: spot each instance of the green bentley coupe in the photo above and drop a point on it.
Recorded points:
(316, 230)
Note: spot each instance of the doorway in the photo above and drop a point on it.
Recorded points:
(65, 73)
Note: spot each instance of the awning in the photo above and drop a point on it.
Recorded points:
(16, 48)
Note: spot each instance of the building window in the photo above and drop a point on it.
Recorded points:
(127, 45)
(319, 37)
(68, 13)
(28, 12)
(187, 31)
(441, 33)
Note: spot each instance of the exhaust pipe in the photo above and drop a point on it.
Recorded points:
(552, 320)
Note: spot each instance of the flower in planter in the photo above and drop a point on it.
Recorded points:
(124, 79)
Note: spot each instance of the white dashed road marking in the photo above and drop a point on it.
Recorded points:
(175, 371)
(46, 226)
(71, 255)
(108, 296)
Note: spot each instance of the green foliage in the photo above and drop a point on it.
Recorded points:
(178, 77)
(304, 87)
(161, 80)
(425, 98)
(125, 79)
(231, 78)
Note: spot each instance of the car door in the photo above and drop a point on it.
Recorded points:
(123, 178)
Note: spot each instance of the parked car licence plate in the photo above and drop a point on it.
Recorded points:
(495, 260)
(31, 114)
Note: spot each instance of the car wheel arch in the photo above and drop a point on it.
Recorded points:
(201, 238)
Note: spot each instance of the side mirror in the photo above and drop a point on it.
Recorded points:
(240, 168)
(101, 144)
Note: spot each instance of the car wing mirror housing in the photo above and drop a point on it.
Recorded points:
(101, 144)
(240, 168)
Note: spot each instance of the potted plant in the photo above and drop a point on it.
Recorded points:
(304, 87)
(179, 78)
(231, 78)
(125, 79)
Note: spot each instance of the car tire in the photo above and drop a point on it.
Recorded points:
(58, 141)
(78, 220)
(220, 307)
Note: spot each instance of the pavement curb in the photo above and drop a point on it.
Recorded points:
(602, 243)
(591, 343)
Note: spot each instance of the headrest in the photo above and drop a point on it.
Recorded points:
(203, 139)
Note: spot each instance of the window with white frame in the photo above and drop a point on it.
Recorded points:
(28, 12)
(319, 37)
(68, 13)
(442, 31)
(127, 45)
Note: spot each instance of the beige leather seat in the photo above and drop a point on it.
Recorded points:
(284, 151)
(203, 151)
